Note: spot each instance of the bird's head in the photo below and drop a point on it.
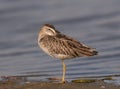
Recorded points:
(47, 29)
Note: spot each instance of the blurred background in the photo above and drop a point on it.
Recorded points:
(93, 22)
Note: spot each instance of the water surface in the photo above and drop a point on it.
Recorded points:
(95, 23)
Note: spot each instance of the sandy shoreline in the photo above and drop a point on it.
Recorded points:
(18, 82)
(50, 85)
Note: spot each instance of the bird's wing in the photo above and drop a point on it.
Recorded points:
(72, 40)
(65, 45)
(77, 48)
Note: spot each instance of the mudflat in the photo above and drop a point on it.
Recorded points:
(51, 85)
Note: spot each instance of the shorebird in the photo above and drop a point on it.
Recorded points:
(61, 46)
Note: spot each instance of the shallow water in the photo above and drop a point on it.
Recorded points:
(95, 23)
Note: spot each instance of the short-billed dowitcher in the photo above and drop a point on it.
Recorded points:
(61, 46)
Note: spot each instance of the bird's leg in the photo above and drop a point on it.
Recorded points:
(64, 71)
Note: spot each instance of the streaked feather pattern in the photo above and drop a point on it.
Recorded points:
(60, 44)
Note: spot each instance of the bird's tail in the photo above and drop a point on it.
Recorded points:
(94, 52)
(88, 51)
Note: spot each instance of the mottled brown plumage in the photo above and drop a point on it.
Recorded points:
(61, 46)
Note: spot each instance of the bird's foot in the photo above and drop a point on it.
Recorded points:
(63, 81)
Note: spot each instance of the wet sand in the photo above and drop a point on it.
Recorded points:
(50, 85)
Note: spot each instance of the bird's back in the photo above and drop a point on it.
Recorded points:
(65, 47)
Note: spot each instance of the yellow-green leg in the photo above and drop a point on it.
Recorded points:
(64, 71)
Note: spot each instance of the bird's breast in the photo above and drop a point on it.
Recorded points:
(62, 56)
